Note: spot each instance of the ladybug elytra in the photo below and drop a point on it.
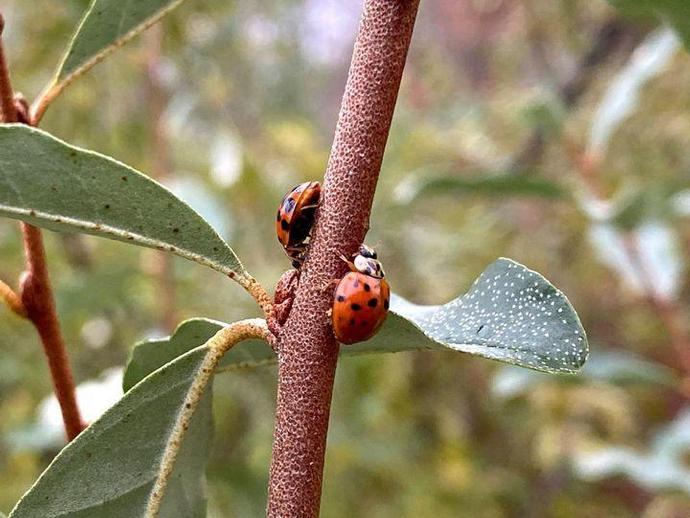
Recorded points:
(295, 219)
(361, 299)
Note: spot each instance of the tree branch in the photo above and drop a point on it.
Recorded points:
(36, 291)
(308, 350)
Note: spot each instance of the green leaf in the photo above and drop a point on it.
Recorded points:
(510, 314)
(54, 185)
(674, 12)
(494, 185)
(110, 469)
(106, 26)
(150, 355)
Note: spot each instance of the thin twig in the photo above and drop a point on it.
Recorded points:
(37, 296)
(36, 291)
(13, 301)
(307, 347)
(9, 112)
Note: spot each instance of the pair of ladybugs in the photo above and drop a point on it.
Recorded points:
(362, 296)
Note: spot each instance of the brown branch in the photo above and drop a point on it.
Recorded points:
(9, 112)
(36, 291)
(37, 296)
(308, 350)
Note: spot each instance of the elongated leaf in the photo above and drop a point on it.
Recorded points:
(493, 185)
(109, 470)
(106, 26)
(674, 12)
(51, 184)
(511, 314)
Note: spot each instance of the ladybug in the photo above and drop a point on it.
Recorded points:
(295, 218)
(361, 299)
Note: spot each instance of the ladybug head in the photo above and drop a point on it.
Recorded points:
(369, 266)
(367, 251)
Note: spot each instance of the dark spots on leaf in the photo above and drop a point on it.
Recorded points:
(355, 307)
(106, 206)
(88, 454)
(124, 178)
(386, 304)
(367, 287)
(341, 298)
(284, 224)
(373, 302)
(215, 248)
(231, 275)
(32, 213)
(176, 230)
(188, 405)
(480, 328)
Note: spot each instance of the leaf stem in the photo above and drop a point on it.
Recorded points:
(13, 301)
(36, 292)
(217, 345)
(307, 348)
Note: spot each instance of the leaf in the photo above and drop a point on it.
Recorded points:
(660, 267)
(674, 12)
(511, 314)
(150, 355)
(614, 367)
(662, 467)
(501, 185)
(110, 469)
(106, 26)
(54, 185)
(622, 97)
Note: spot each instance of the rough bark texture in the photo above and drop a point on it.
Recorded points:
(308, 350)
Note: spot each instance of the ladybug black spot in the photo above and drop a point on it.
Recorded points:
(284, 225)
(385, 304)
(367, 287)
(363, 323)
(355, 307)
(341, 298)
(352, 321)
(373, 303)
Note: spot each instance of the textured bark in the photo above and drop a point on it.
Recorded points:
(308, 350)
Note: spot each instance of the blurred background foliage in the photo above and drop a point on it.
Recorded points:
(554, 132)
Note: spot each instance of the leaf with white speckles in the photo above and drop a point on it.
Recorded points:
(51, 184)
(511, 314)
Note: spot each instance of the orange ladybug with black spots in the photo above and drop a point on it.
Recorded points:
(361, 299)
(295, 219)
